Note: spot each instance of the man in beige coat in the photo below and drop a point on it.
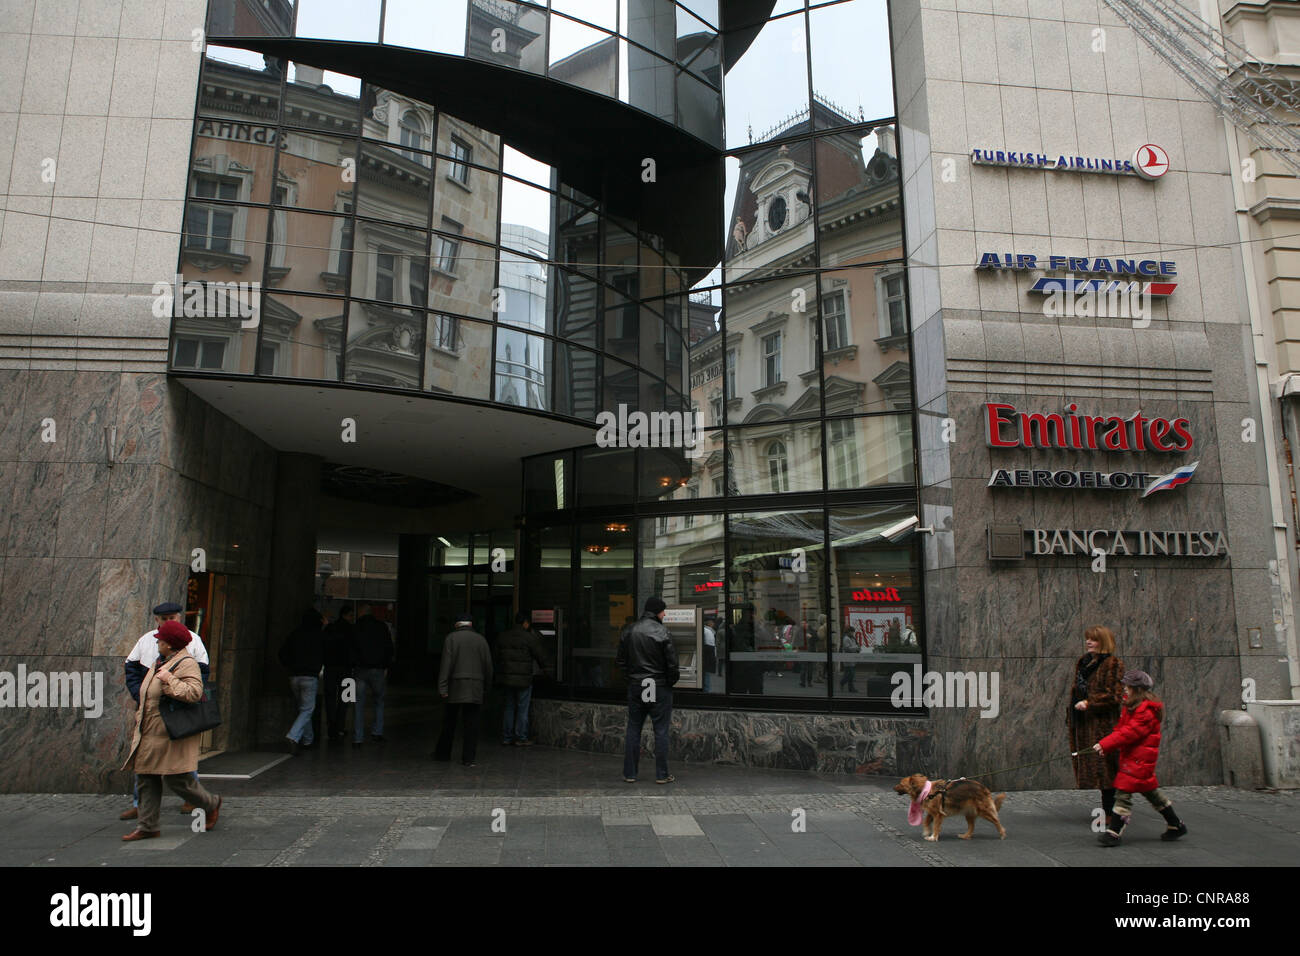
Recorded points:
(154, 756)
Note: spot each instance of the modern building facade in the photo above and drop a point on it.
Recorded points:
(318, 302)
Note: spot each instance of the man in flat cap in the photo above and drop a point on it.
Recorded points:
(138, 663)
(465, 673)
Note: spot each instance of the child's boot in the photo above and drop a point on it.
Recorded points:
(1177, 828)
(1114, 831)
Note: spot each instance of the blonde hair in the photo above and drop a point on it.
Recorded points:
(1104, 637)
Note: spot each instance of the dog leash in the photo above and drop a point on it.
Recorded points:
(994, 773)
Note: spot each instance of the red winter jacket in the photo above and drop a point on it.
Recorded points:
(1137, 738)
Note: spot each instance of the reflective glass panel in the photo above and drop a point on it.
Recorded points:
(582, 56)
(522, 368)
(394, 184)
(577, 307)
(775, 603)
(775, 458)
(458, 356)
(222, 235)
(577, 381)
(388, 264)
(858, 196)
(706, 10)
(866, 359)
(699, 108)
(462, 274)
(771, 360)
(605, 476)
(434, 25)
(767, 88)
(312, 171)
(384, 345)
(524, 283)
(548, 482)
(507, 33)
(852, 70)
(602, 13)
(620, 387)
(689, 467)
(771, 212)
(682, 563)
(302, 337)
(209, 320)
(356, 20)
(875, 620)
(876, 450)
(526, 218)
(607, 599)
(229, 18)
(316, 99)
(469, 197)
(398, 119)
(622, 320)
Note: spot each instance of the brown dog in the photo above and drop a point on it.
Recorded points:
(947, 798)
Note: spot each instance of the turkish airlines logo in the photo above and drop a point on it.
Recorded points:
(1150, 161)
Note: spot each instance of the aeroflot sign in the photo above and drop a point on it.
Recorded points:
(1005, 427)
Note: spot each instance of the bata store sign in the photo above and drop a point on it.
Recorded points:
(1006, 427)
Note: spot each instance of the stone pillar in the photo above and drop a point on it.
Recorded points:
(293, 583)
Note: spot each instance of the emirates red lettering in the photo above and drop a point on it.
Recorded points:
(1007, 427)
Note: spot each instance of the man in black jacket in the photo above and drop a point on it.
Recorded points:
(517, 650)
(301, 655)
(337, 643)
(372, 656)
(647, 656)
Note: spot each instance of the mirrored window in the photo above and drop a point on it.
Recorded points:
(601, 13)
(577, 381)
(767, 88)
(521, 369)
(608, 601)
(770, 361)
(866, 357)
(775, 458)
(319, 99)
(852, 64)
(458, 356)
(771, 203)
(875, 450)
(394, 185)
(302, 337)
(384, 344)
(583, 56)
(524, 284)
(434, 25)
(357, 20)
(507, 33)
(314, 171)
(467, 289)
(211, 322)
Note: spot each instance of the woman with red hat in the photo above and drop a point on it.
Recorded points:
(154, 756)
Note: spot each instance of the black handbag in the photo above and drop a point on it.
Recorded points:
(185, 719)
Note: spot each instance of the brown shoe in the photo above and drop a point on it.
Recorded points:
(212, 817)
(187, 807)
(130, 814)
(141, 835)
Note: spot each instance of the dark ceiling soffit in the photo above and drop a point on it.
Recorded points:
(598, 144)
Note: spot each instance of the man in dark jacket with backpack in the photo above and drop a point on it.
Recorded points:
(648, 658)
(517, 650)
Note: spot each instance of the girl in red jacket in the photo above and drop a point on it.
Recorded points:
(1137, 738)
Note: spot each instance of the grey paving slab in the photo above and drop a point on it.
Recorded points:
(421, 838)
(690, 851)
(637, 856)
(675, 824)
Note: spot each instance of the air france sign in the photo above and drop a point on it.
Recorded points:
(1149, 161)
(1081, 268)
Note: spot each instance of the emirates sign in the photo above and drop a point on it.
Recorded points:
(1005, 427)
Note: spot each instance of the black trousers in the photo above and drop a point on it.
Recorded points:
(469, 744)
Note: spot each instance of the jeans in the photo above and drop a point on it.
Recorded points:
(469, 745)
(135, 791)
(660, 712)
(515, 726)
(373, 681)
(304, 689)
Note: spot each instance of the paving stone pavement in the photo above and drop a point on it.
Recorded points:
(391, 806)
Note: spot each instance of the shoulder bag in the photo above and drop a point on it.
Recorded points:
(187, 719)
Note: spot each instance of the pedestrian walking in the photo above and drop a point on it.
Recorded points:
(336, 653)
(1137, 739)
(647, 656)
(154, 756)
(302, 655)
(138, 664)
(1094, 700)
(372, 656)
(518, 649)
(465, 672)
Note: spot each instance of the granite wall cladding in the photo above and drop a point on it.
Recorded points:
(88, 548)
(825, 743)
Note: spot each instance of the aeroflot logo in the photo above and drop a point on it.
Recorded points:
(1005, 427)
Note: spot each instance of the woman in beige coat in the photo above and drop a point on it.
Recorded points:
(154, 756)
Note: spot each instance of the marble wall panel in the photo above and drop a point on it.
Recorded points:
(74, 595)
(91, 406)
(25, 602)
(132, 503)
(825, 743)
(1194, 692)
(1060, 604)
(47, 396)
(82, 510)
(34, 508)
(123, 610)
(62, 749)
(141, 417)
(13, 430)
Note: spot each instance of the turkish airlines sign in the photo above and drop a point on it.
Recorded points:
(1005, 427)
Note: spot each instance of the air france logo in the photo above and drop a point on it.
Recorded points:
(1150, 161)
